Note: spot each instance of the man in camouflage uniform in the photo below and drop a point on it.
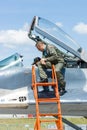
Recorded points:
(50, 55)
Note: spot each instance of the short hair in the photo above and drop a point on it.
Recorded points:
(39, 42)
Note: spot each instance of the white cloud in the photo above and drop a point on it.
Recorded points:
(59, 24)
(81, 28)
(11, 38)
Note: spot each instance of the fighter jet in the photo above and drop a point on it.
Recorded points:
(16, 80)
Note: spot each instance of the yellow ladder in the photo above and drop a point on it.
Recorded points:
(55, 99)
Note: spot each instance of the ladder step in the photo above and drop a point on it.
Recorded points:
(48, 100)
(51, 120)
(50, 114)
(45, 84)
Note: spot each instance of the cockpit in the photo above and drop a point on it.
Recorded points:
(74, 55)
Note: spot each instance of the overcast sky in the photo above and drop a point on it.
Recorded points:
(16, 17)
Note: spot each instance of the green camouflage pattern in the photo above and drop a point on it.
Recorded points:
(53, 56)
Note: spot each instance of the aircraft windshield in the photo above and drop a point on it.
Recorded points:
(11, 61)
(57, 32)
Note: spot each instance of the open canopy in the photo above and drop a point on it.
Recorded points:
(49, 31)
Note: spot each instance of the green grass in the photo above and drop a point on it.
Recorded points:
(77, 120)
(17, 121)
(17, 124)
(28, 123)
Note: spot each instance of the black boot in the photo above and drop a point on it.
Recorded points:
(62, 90)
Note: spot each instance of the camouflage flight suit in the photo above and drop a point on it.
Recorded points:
(53, 56)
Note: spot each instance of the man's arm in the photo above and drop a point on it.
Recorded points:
(52, 54)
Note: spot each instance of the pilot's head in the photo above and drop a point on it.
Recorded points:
(40, 45)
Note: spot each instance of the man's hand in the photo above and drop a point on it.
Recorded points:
(43, 61)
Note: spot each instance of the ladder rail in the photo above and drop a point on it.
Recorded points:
(35, 90)
(59, 123)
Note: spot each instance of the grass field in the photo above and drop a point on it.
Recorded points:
(21, 124)
(28, 123)
(17, 124)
